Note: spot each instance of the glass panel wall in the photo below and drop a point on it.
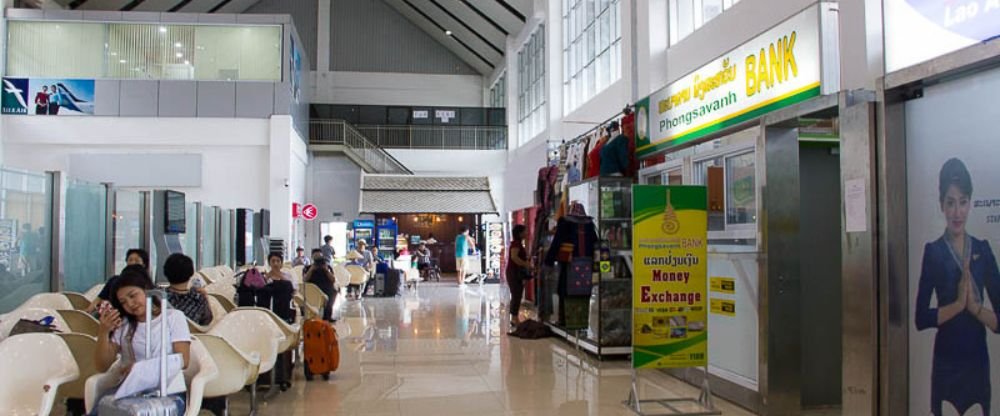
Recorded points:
(143, 51)
(189, 240)
(25, 237)
(128, 224)
(85, 236)
(686, 16)
(226, 237)
(209, 238)
(531, 94)
(591, 49)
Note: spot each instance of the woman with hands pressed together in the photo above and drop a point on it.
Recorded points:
(956, 268)
(123, 329)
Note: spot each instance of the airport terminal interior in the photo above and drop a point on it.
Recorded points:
(499, 207)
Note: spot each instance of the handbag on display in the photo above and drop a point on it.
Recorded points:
(579, 276)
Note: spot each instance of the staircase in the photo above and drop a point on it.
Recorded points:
(341, 136)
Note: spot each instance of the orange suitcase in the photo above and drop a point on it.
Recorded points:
(322, 348)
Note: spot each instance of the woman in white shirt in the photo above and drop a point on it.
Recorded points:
(123, 330)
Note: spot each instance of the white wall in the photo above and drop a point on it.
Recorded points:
(286, 180)
(245, 162)
(333, 185)
(377, 88)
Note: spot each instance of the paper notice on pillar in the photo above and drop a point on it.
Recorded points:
(670, 283)
(855, 206)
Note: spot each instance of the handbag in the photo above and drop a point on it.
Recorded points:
(27, 326)
(579, 276)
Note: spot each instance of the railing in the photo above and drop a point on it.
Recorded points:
(436, 137)
(339, 132)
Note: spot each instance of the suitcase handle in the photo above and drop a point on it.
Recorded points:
(162, 392)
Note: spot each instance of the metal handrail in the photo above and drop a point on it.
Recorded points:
(434, 137)
(339, 132)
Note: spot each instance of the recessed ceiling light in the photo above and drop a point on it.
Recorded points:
(447, 32)
(122, 61)
(163, 29)
(178, 45)
(186, 62)
(180, 55)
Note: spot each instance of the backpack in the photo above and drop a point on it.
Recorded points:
(253, 279)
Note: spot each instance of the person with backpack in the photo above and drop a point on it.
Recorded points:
(179, 268)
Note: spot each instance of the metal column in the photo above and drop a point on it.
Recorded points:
(780, 290)
(859, 255)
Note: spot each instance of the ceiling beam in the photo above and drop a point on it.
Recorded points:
(510, 22)
(472, 22)
(437, 34)
(200, 6)
(461, 33)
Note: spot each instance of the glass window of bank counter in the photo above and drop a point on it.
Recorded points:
(727, 166)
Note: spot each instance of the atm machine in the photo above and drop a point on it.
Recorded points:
(169, 222)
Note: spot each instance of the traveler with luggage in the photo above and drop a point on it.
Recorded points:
(463, 242)
(125, 329)
(179, 268)
(322, 276)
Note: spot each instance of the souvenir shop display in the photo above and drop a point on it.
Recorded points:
(580, 206)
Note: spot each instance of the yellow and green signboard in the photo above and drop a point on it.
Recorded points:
(779, 68)
(670, 303)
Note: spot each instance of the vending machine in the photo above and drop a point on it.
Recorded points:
(387, 231)
(363, 230)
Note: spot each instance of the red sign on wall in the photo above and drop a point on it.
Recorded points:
(296, 210)
(309, 212)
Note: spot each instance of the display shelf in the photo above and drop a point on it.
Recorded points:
(608, 331)
(586, 344)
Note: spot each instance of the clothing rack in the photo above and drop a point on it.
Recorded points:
(617, 116)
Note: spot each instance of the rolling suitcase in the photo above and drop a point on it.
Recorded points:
(390, 284)
(321, 348)
(155, 404)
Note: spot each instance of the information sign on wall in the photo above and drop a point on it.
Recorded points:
(48, 97)
(776, 69)
(670, 316)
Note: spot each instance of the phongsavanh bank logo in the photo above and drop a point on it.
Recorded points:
(15, 96)
(671, 225)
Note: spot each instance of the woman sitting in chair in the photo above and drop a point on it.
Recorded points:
(322, 276)
(123, 329)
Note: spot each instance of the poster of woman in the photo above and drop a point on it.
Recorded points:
(954, 234)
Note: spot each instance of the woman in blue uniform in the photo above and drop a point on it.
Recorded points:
(956, 269)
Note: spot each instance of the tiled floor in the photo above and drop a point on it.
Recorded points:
(443, 351)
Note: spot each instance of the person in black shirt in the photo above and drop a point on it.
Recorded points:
(132, 256)
(321, 275)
